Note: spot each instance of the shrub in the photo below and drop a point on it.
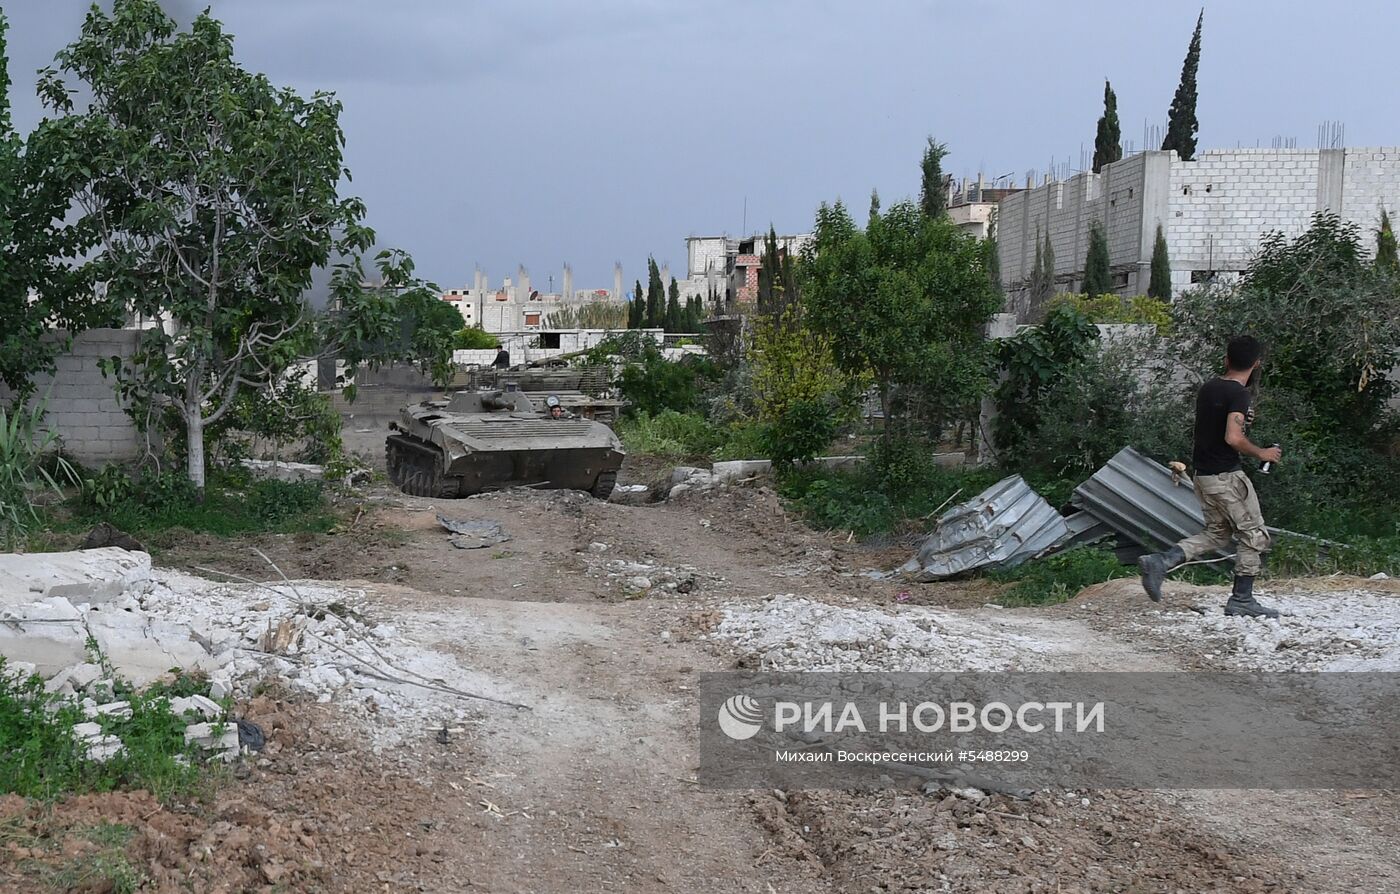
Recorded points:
(1140, 309)
(1059, 577)
(668, 433)
(39, 757)
(473, 338)
(25, 469)
(654, 384)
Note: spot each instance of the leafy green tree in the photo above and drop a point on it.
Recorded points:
(1108, 139)
(42, 298)
(212, 196)
(1181, 119)
(991, 256)
(933, 197)
(656, 296)
(1160, 284)
(1041, 286)
(1386, 256)
(1097, 279)
(777, 278)
(637, 307)
(473, 338)
(673, 321)
(801, 395)
(1330, 325)
(905, 301)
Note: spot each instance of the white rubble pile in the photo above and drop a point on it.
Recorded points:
(308, 634)
(638, 579)
(790, 633)
(322, 647)
(686, 480)
(1342, 630)
(91, 576)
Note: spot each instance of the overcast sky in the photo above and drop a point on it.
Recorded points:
(501, 132)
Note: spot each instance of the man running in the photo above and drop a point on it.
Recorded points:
(1228, 501)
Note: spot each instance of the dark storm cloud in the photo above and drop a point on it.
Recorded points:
(500, 132)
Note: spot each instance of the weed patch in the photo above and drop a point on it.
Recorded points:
(1058, 578)
(40, 756)
(233, 504)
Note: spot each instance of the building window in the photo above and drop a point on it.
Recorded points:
(1202, 276)
(1186, 190)
(532, 319)
(1120, 280)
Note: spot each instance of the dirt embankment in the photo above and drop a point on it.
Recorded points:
(600, 617)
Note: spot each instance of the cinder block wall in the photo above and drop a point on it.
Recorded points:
(82, 405)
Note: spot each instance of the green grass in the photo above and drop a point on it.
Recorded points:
(39, 757)
(855, 501)
(108, 868)
(1059, 577)
(674, 435)
(232, 505)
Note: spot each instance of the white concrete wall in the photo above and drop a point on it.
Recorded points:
(1371, 180)
(1214, 210)
(1221, 204)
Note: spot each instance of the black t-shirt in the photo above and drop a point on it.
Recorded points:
(1216, 400)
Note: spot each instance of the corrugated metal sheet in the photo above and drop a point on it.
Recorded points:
(1084, 528)
(1001, 527)
(1136, 497)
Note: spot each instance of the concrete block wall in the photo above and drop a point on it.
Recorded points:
(1064, 210)
(1223, 202)
(1370, 181)
(82, 407)
(1213, 210)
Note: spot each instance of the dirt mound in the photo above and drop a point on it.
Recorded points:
(905, 841)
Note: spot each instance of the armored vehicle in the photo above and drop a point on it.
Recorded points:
(488, 440)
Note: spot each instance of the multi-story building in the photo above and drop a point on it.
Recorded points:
(719, 265)
(1213, 211)
(516, 307)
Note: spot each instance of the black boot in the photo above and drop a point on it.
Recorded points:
(1154, 568)
(1242, 602)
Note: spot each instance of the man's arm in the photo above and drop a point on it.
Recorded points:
(1236, 438)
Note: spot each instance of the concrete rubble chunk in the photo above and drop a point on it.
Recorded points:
(49, 635)
(115, 709)
(84, 576)
(84, 675)
(630, 494)
(86, 730)
(103, 748)
(19, 670)
(143, 649)
(220, 688)
(206, 706)
(224, 744)
(284, 471)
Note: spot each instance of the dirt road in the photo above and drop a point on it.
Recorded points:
(598, 617)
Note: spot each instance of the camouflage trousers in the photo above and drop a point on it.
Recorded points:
(1232, 513)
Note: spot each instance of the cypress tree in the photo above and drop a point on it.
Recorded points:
(673, 321)
(992, 258)
(637, 310)
(1387, 257)
(933, 200)
(1181, 120)
(768, 272)
(656, 296)
(1108, 140)
(1047, 276)
(1097, 280)
(1160, 285)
